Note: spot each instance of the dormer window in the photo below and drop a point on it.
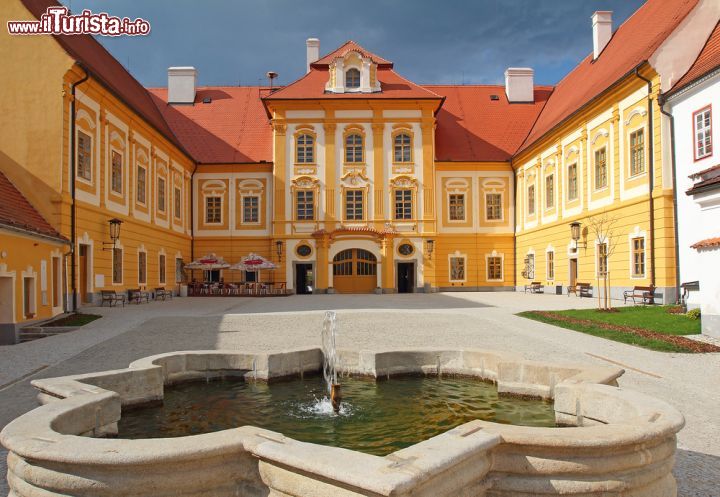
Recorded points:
(352, 78)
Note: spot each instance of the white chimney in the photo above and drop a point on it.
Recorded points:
(602, 31)
(313, 51)
(181, 85)
(519, 84)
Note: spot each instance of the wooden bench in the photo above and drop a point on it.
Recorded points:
(161, 293)
(580, 290)
(112, 297)
(138, 295)
(645, 293)
(535, 287)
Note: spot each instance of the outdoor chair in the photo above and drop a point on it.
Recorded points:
(138, 295)
(162, 294)
(112, 298)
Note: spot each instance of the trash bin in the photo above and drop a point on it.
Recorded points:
(183, 290)
(558, 289)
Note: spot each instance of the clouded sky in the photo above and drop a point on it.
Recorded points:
(234, 42)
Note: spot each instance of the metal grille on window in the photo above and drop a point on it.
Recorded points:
(403, 204)
(305, 205)
(353, 148)
(354, 205)
(251, 209)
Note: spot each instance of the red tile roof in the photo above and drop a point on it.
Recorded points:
(232, 128)
(17, 213)
(473, 127)
(708, 243)
(87, 51)
(633, 43)
(707, 60)
(350, 46)
(705, 185)
(312, 86)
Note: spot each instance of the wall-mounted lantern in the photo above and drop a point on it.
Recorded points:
(114, 233)
(575, 233)
(430, 247)
(279, 249)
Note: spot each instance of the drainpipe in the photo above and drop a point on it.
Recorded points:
(192, 217)
(73, 174)
(651, 171)
(661, 104)
(514, 226)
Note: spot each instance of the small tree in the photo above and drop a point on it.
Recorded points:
(604, 228)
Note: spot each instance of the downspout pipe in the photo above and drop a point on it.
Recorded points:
(192, 214)
(73, 175)
(661, 104)
(651, 170)
(514, 226)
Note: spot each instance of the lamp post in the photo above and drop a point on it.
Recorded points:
(114, 233)
(575, 232)
(279, 249)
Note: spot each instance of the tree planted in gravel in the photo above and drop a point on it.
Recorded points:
(604, 228)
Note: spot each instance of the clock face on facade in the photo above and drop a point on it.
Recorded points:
(304, 250)
(406, 249)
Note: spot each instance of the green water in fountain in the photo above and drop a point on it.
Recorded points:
(376, 417)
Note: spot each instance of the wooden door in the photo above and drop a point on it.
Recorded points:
(573, 271)
(354, 271)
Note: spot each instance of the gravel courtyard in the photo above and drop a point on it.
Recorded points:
(377, 322)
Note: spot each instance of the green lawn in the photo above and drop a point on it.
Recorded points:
(654, 319)
(76, 319)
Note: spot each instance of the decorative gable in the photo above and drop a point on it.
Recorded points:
(352, 73)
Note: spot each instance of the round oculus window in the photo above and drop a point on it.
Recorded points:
(304, 250)
(406, 249)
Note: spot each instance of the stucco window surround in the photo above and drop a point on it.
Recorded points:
(162, 190)
(117, 171)
(550, 189)
(142, 175)
(550, 263)
(405, 184)
(631, 136)
(491, 260)
(492, 191)
(299, 189)
(457, 267)
(344, 79)
(355, 204)
(354, 145)
(403, 144)
(251, 210)
(304, 243)
(305, 143)
(601, 161)
(460, 187)
(162, 267)
(352, 78)
(142, 265)
(638, 234)
(84, 147)
(178, 200)
(213, 189)
(702, 133)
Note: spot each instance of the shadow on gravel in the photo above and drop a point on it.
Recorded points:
(697, 474)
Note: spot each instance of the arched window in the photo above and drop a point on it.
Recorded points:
(402, 146)
(305, 149)
(353, 148)
(352, 78)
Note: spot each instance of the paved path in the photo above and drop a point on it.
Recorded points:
(483, 320)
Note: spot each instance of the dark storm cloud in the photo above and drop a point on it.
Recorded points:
(430, 41)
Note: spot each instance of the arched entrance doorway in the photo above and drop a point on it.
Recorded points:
(354, 271)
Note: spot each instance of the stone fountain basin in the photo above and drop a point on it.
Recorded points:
(620, 443)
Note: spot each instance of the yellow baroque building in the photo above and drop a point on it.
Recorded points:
(351, 178)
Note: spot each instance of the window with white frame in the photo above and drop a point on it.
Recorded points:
(352, 78)
(305, 205)
(702, 120)
(572, 193)
(116, 179)
(403, 204)
(178, 202)
(637, 152)
(456, 206)
(305, 149)
(549, 191)
(213, 209)
(251, 209)
(84, 156)
(638, 257)
(600, 168)
(354, 148)
(161, 194)
(142, 268)
(494, 268)
(550, 264)
(141, 184)
(161, 269)
(457, 268)
(354, 200)
(531, 200)
(402, 148)
(493, 206)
